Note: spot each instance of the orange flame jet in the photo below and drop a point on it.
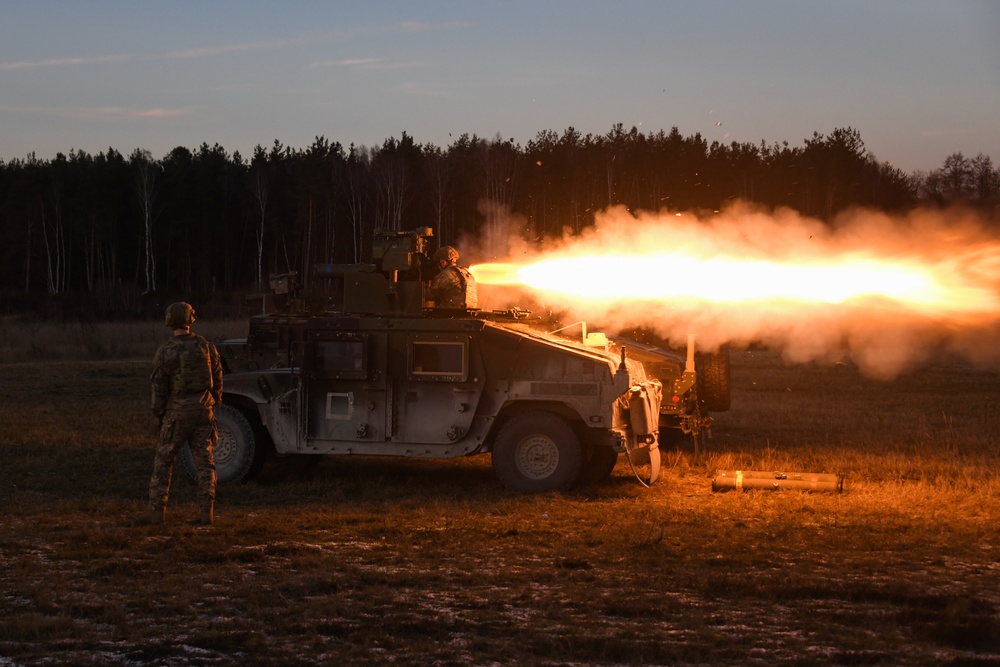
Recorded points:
(659, 276)
(886, 291)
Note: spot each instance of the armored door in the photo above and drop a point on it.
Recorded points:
(346, 387)
(437, 381)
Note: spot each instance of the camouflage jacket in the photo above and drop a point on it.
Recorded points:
(453, 287)
(186, 371)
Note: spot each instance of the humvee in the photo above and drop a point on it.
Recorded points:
(367, 366)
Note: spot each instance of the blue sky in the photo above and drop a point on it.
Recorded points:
(919, 79)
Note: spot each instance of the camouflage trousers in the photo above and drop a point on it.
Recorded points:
(200, 434)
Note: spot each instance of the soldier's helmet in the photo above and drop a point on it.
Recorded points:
(179, 315)
(446, 253)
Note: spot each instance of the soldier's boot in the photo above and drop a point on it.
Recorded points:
(151, 517)
(206, 516)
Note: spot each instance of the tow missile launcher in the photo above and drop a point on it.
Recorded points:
(364, 365)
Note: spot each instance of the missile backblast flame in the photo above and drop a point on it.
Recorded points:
(881, 290)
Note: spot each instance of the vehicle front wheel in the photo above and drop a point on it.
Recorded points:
(239, 453)
(537, 452)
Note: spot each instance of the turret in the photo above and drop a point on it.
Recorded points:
(391, 285)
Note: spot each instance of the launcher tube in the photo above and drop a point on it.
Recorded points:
(689, 367)
(737, 480)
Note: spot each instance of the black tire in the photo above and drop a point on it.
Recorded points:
(713, 381)
(537, 452)
(601, 461)
(240, 452)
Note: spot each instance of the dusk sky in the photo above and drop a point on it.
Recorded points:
(919, 79)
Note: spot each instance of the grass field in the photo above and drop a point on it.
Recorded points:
(364, 561)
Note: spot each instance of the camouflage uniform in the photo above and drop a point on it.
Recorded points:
(453, 287)
(186, 387)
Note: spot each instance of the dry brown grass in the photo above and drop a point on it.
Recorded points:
(27, 340)
(361, 561)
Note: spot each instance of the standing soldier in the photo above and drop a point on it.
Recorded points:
(453, 286)
(187, 387)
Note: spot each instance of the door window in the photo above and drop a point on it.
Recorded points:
(342, 359)
(438, 360)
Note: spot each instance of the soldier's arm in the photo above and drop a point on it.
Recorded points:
(431, 292)
(216, 375)
(160, 383)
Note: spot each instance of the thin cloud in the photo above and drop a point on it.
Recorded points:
(160, 113)
(359, 32)
(369, 63)
(100, 113)
(424, 26)
(347, 62)
(200, 52)
(222, 49)
(63, 62)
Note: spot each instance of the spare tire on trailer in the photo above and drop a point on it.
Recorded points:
(713, 380)
(240, 452)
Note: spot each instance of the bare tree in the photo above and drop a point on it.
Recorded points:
(261, 188)
(54, 238)
(90, 253)
(499, 171)
(305, 275)
(390, 179)
(956, 176)
(985, 178)
(27, 255)
(146, 186)
(54, 256)
(356, 181)
(437, 177)
(499, 181)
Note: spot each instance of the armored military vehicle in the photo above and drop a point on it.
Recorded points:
(367, 366)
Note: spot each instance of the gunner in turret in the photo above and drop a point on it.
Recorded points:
(453, 286)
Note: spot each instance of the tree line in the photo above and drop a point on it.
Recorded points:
(109, 234)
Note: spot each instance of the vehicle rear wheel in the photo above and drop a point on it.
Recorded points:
(537, 452)
(239, 453)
